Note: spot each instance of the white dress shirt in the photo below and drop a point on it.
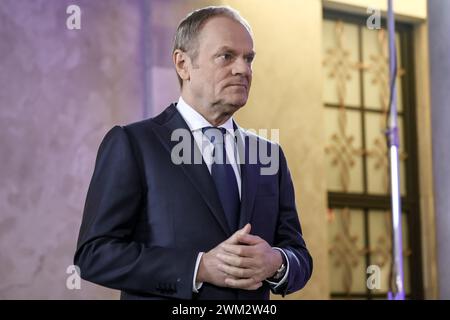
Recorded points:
(196, 122)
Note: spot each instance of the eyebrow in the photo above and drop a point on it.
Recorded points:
(228, 49)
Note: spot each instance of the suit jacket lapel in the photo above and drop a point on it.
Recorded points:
(249, 176)
(198, 174)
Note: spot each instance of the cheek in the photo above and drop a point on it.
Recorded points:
(221, 80)
(202, 82)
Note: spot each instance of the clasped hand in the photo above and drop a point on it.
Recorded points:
(243, 261)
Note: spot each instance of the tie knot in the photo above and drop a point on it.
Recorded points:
(215, 134)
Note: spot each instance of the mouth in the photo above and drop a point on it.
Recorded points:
(238, 85)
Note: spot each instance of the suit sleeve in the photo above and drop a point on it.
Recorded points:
(289, 235)
(106, 252)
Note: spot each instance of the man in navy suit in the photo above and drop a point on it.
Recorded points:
(207, 222)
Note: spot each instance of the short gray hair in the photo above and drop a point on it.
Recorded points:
(189, 28)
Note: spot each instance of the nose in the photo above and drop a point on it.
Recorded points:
(241, 67)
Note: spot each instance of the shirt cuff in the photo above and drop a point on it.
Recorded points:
(275, 285)
(197, 285)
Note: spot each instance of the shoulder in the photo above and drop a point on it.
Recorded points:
(165, 116)
(267, 152)
(137, 133)
(252, 137)
(145, 127)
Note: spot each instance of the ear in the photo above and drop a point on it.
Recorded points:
(182, 62)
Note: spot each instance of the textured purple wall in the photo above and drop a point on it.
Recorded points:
(164, 18)
(60, 91)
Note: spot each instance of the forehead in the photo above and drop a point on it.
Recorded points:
(223, 31)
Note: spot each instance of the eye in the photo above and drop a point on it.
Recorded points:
(226, 56)
(249, 59)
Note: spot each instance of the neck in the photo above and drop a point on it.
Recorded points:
(211, 113)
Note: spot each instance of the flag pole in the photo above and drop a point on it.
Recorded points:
(396, 291)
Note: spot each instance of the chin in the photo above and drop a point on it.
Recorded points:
(238, 102)
(234, 106)
(231, 103)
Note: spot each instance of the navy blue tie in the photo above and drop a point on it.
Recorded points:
(223, 176)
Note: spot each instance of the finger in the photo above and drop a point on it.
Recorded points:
(248, 284)
(246, 229)
(234, 260)
(234, 239)
(239, 250)
(235, 271)
(249, 239)
(255, 287)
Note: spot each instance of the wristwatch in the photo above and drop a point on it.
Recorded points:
(281, 270)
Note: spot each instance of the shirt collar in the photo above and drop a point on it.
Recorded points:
(196, 121)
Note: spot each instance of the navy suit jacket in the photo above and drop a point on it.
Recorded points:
(146, 219)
